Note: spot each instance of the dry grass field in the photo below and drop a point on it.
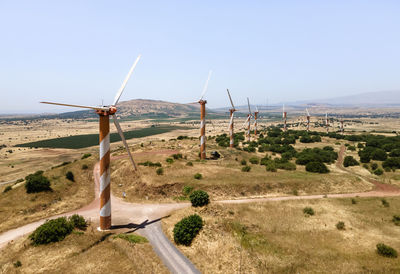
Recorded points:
(277, 237)
(81, 252)
(18, 207)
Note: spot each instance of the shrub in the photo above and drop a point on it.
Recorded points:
(246, 169)
(199, 198)
(17, 264)
(378, 171)
(187, 190)
(386, 251)
(352, 148)
(189, 164)
(353, 201)
(385, 203)
(85, 166)
(198, 176)
(169, 160)
(7, 189)
(177, 156)
(374, 166)
(52, 231)
(187, 229)
(308, 211)
(254, 160)
(243, 162)
(160, 171)
(340, 226)
(70, 176)
(78, 222)
(295, 192)
(37, 182)
(350, 161)
(86, 155)
(271, 167)
(150, 164)
(316, 167)
(396, 220)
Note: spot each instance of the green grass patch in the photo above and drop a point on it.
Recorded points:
(132, 238)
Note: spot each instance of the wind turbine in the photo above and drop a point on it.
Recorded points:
(308, 120)
(341, 125)
(255, 121)
(203, 120)
(284, 117)
(104, 113)
(231, 111)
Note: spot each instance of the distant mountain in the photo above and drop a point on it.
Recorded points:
(369, 99)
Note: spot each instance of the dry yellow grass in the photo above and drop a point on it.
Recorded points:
(18, 207)
(88, 252)
(276, 237)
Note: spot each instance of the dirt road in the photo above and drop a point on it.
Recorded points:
(144, 218)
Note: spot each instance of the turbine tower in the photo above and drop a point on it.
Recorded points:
(255, 121)
(231, 111)
(248, 120)
(203, 120)
(341, 126)
(308, 120)
(104, 113)
(284, 114)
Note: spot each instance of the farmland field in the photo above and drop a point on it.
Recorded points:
(88, 140)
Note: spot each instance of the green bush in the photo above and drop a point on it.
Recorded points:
(198, 176)
(187, 229)
(246, 169)
(308, 211)
(70, 176)
(189, 164)
(340, 226)
(52, 231)
(271, 167)
(177, 156)
(86, 155)
(37, 183)
(353, 201)
(374, 166)
(169, 160)
(7, 189)
(350, 161)
(85, 166)
(160, 171)
(352, 148)
(316, 167)
(378, 171)
(199, 198)
(17, 264)
(385, 203)
(254, 160)
(187, 190)
(386, 251)
(78, 222)
(150, 164)
(243, 162)
(396, 219)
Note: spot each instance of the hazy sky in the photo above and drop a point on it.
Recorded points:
(80, 51)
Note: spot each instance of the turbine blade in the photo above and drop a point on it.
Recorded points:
(75, 106)
(248, 117)
(230, 98)
(308, 114)
(248, 104)
(206, 85)
(116, 123)
(121, 89)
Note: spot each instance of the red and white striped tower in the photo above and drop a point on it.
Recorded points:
(284, 119)
(248, 126)
(203, 129)
(104, 138)
(308, 121)
(255, 123)
(326, 122)
(231, 135)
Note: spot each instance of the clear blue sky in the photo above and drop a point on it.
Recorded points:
(80, 51)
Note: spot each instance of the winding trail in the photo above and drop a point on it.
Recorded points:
(145, 218)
